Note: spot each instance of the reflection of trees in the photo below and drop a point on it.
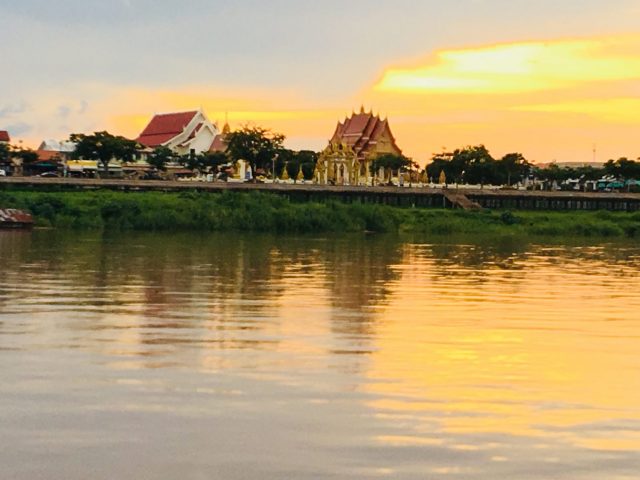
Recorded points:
(498, 252)
(157, 289)
(472, 261)
(358, 274)
(13, 246)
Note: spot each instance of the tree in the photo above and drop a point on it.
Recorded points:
(554, 173)
(212, 161)
(389, 163)
(256, 145)
(472, 164)
(103, 147)
(294, 161)
(440, 162)
(160, 157)
(513, 165)
(5, 153)
(623, 168)
(308, 160)
(27, 155)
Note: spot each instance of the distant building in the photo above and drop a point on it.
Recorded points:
(183, 133)
(355, 144)
(55, 146)
(4, 136)
(52, 150)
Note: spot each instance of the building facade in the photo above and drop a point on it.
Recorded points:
(183, 133)
(354, 145)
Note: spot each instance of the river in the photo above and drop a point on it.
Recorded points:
(156, 356)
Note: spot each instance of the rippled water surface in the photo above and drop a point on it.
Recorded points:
(257, 357)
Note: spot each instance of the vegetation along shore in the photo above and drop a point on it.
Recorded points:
(265, 212)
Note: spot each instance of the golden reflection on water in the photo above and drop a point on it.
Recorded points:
(484, 350)
(545, 349)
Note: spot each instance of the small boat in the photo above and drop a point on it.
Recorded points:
(13, 218)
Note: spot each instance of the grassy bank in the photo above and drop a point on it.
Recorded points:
(263, 212)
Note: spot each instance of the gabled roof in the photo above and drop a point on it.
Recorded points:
(4, 136)
(361, 132)
(164, 127)
(55, 146)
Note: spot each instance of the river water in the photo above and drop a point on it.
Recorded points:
(267, 357)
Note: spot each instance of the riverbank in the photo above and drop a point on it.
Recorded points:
(266, 212)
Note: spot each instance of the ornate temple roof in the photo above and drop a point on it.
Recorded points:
(165, 127)
(361, 132)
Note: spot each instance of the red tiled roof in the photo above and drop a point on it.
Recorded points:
(46, 155)
(218, 145)
(163, 128)
(4, 136)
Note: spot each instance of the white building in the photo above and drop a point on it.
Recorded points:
(183, 133)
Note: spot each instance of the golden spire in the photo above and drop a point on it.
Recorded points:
(226, 130)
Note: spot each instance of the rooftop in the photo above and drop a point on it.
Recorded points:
(164, 127)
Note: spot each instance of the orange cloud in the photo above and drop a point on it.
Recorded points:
(520, 67)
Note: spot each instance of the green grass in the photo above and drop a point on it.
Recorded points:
(265, 212)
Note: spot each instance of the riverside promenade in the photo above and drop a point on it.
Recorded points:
(397, 196)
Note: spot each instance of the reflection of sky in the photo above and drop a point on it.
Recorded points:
(249, 355)
(299, 66)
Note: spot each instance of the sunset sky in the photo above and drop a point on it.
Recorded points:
(547, 78)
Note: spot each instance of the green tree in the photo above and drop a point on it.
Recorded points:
(440, 162)
(472, 164)
(212, 161)
(5, 153)
(623, 169)
(27, 155)
(512, 166)
(284, 158)
(103, 147)
(308, 159)
(389, 163)
(159, 158)
(256, 145)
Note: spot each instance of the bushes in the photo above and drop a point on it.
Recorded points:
(264, 212)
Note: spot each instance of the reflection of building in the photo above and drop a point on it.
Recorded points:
(184, 133)
(354, 145)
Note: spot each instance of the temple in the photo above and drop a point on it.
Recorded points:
(184, 133)
(355, 144)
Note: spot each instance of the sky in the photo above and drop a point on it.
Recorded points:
(552, 80)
